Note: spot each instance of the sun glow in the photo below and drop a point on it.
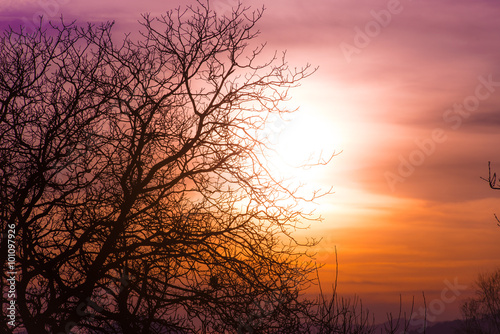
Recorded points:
(301, 141)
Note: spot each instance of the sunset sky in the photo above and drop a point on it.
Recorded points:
(408, 92)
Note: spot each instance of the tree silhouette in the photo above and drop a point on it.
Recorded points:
(482, 313)
(492, 180)
(136, 179)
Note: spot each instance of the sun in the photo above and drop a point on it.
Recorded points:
(302, 140)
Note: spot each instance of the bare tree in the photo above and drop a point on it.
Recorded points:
(136, 179)
(482, 313)
(492, 180)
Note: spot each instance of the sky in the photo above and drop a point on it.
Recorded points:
(408, 93)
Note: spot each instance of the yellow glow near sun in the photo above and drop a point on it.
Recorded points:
(305, 138)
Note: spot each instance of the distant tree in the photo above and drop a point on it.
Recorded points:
(482, 313)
